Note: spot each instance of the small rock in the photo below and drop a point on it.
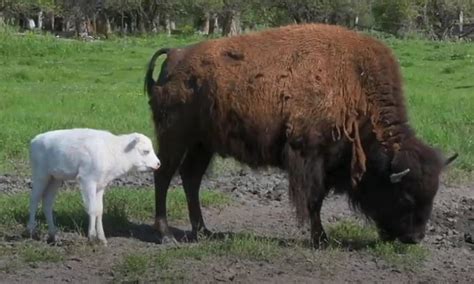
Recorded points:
(468, 238)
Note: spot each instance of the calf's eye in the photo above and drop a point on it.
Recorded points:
(146, 152)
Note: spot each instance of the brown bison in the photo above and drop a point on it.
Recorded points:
(320, 101)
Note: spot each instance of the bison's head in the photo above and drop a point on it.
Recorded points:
(399, 196)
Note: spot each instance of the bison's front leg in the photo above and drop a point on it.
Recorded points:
(315, 174)
(318, 236)
(307, 190)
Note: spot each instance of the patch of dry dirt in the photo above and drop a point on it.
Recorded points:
(261, 206)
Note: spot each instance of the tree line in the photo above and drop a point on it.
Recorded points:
(437, 19)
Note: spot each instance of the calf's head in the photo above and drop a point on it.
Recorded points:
(400, 197)
(140, 151)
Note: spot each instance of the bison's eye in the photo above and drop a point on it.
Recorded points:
(408, 201)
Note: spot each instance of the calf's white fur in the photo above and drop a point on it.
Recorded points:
(93, 158)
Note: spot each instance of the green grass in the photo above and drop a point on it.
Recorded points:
(121, 206)
(352, 235)
(28, 252)
(40, 253)
(408, 257)
(440, 91)
(244, 246)
(48, 83)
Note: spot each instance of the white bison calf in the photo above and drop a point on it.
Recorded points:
(92, 157)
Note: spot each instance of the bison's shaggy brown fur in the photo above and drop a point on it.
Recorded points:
(322, 102)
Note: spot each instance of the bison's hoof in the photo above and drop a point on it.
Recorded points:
(168, 240)
(203, 234)
(321, 242)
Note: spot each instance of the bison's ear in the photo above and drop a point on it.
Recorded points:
(397, 177)
(450, 159)
(133, 142)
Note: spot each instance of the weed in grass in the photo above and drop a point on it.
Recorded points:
(407, 64)
(39, 253)
(351, 234)
(448, 70)
(400, 255)
(133, 266)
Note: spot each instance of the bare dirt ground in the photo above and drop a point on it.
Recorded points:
(261, 206)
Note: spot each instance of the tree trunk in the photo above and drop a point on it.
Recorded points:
(40, 20)
(122, 23)
(231, 25)
(67, 26)
(461, 21)
(215, 24)
(2, 19)
(108, 26)
(52, 22)
(141, 23)
(155, 24)
(102, 26)
(207, 24)
(168, 25)
(132, 24)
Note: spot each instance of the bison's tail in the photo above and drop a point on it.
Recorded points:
(149, 82)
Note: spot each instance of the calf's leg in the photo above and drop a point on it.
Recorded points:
(48, 201)
(100, 211)
(89, 196)
(192, 170)
(40, 185)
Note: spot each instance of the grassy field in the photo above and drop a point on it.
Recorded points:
(48, 83)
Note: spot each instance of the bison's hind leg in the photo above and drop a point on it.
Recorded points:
(192, 170)
(171, 152)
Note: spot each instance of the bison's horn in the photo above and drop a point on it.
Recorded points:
(450, 159)
(397, 177)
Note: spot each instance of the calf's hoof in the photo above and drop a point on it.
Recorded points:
(54, 240)
(103, 242)
(96, 241)
(31, 234)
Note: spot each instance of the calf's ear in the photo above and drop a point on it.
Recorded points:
(133, 142)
